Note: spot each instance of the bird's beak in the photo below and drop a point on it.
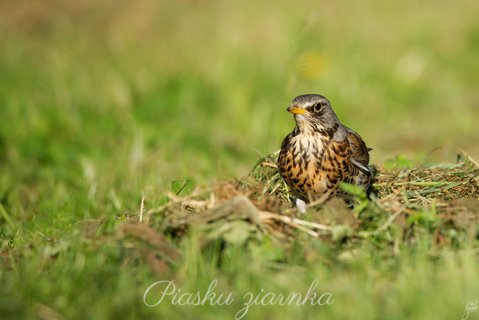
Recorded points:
(296, 110)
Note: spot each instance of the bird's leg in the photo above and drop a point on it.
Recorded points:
(301, 205)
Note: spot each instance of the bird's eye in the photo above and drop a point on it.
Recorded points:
(317, 106)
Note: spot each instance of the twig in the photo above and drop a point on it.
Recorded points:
(270, 215)
(414, 183)
(473, 161)
(142, 206)
(306, 230)
(174, 199)
(269, 164)
(312, 224)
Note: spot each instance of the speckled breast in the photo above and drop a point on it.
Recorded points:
(313, 165)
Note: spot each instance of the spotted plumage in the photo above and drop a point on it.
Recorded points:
(320, 152)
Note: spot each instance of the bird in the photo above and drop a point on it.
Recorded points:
(321, 152)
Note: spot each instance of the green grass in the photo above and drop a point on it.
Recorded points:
(103, 104)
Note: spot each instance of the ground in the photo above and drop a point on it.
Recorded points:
(137, 145)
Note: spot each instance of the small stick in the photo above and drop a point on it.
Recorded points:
(267, 214)
(473, 161)
(142, 206)
(312, 224)
(310, 232)
(269, 164)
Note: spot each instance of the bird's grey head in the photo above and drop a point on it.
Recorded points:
(313, 112)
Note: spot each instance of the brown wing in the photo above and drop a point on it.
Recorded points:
(360, 159)
(359, 150)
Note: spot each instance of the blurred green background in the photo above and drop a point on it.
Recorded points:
(102, 101)
(199, 89)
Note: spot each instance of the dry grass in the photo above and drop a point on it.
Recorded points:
(439, 199)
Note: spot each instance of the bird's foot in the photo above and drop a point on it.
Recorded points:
(301, 205)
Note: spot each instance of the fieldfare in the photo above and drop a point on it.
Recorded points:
(321, 152)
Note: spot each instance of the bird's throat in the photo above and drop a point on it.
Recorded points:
(307, 127)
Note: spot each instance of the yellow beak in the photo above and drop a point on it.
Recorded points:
(296, 110)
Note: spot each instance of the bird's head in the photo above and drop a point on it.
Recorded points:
(313, 112)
